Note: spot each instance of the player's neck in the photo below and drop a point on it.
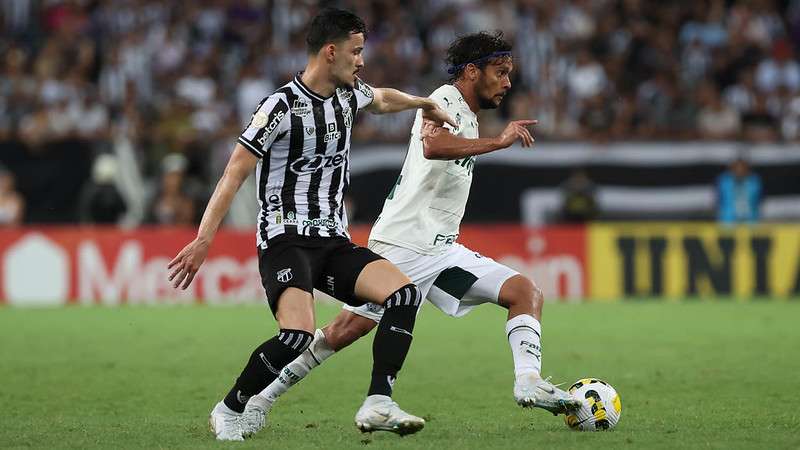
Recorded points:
(469, 96)
(316, 79)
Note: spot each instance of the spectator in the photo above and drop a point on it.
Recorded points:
(738, 194)
(12, 205)
(780, 70)
(177, 77)
(172, 205)
(759, 125)
(578, 198)
(716, 119)
(101, 202)
(587, 78)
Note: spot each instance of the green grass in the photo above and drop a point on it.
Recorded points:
(691, 375)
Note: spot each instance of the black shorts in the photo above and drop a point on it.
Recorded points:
(330, 264)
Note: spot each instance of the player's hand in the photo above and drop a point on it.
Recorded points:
(517, 129)
(187, 263)
(430, 129)
(437, 115)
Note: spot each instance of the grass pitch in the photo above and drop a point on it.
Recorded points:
(690, 375)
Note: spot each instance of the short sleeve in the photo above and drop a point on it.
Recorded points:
(449, 105)
(363, 93)
(268, 122)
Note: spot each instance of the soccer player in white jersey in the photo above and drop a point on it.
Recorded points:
(418, 230)
(298, 143)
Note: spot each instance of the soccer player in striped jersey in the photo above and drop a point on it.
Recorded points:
(418, 230)
(298, 143)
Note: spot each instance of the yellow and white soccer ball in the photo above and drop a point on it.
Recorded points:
(601, 406)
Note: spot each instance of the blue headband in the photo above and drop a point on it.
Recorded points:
(455, 69)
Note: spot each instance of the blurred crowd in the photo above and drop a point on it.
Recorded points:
(182, 78)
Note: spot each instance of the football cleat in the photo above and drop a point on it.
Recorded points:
(224, 423)
(531, 391)
(254, 417)
(380, 413)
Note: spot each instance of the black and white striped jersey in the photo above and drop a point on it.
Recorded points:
(303, 142)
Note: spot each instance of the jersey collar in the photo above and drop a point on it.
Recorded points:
(460, 99)
(307, 90)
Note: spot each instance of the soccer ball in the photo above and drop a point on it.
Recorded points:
(601, 406)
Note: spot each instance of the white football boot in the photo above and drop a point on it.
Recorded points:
(254, 417)
(224, 423)
(531, 391)
(380, 413)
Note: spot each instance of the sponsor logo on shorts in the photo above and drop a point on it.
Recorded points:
(284, 275)
(445, 239)
(330, 282)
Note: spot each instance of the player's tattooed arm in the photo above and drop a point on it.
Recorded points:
(186, 264)
(388, 100)
(439, 143)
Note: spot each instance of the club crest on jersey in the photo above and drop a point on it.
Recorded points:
(333, 133)
(348, 117)
(301, 108)
(284, 275)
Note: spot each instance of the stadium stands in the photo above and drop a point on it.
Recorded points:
(146, 78)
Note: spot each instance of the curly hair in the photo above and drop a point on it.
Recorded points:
(475, 48)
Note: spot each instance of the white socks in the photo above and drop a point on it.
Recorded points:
(524, 336)
(315, 354)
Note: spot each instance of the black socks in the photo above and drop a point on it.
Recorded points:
(393, 338)
(265, 364)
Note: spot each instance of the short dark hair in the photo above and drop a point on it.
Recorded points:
(333, 25)
(474, 47)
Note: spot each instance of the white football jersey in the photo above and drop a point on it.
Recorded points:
(423, 211)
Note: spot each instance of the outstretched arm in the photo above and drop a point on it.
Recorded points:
(388, 100)
(439, 143)
(188, 261)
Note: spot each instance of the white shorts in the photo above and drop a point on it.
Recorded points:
(454, 281)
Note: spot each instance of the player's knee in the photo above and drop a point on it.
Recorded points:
(521, 293)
